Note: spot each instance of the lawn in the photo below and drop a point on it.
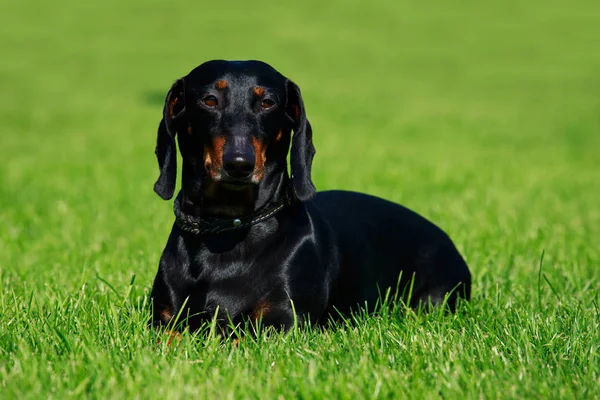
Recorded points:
(482, 116)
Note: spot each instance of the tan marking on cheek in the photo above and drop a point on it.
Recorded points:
(218, 147)
(213, 157)
(189, 130)
(207, 159)
(260, 152)
(261, 310)
(221, 84)
(259, 91)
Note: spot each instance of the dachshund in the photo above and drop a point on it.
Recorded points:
(252, 241)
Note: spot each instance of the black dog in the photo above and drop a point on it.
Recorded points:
(249, 242)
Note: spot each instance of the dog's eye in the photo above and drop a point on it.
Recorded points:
(210, 101)
(267, 103)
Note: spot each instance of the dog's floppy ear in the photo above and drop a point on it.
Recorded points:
(303, 151)
(166, 152)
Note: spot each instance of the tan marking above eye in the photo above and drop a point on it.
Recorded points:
(221, 84)
(259, 91)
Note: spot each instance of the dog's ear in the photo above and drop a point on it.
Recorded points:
(303, 151)
(166, 152)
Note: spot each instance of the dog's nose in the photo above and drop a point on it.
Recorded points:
(238, 166)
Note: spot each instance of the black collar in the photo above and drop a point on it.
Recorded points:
(201, 226)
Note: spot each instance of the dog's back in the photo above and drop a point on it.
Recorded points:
(378, 242)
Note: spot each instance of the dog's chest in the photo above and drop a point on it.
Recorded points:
(235, 286)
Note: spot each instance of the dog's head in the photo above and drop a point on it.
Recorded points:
(234, 121)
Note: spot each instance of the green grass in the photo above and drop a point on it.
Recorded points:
(482, 116)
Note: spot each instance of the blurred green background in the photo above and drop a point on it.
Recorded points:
(482, 116)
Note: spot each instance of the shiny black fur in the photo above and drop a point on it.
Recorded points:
(327, 252)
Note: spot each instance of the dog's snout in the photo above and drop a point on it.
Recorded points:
(239, 166)
(239, 160)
